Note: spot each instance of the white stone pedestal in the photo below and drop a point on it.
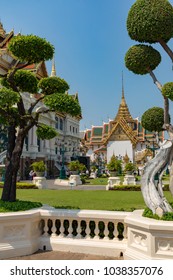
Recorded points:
(113, 181)
(40, 182)
(129, 180)
(75, 180)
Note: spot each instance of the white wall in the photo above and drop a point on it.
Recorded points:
(119, 148)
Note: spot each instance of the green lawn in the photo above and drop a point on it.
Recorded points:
(96, 199)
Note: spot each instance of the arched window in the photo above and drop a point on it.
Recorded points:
(57, 122)
(61, 124)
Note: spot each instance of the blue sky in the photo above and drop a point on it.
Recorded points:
(90, 40)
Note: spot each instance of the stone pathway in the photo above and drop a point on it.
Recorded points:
(54, 255)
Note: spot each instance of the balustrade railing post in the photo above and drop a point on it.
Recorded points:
(53, 229)
(115, 232)
(46, 228)
(78, 229)
(70, 229)
(96, 230)
(61, 229)
(106, 231)
(87, 230)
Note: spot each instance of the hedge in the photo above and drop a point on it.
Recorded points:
(23, 185)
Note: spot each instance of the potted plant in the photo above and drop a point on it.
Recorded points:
(129, 168)
(39, 167)
(114, 166)
(74, 167)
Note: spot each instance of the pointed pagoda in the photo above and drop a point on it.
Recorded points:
(123, 111)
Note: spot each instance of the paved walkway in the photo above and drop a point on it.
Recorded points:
(54, 255)
(79, 187)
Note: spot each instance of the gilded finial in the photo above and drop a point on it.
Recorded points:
(122, 85)
(53, 72)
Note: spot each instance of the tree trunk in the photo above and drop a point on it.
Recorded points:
(166, 48)
(12, 165)
(152, 192)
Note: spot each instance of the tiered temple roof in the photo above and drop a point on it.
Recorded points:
(123, 127)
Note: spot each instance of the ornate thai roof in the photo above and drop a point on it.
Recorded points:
(122, 131)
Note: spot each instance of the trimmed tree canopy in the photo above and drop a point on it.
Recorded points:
(25, 81)
(64, 103)
(141, 58)
(167, 90)
(150, 20)
(46, 132)
(31, 48)
(153, 119)
(8, 98)
(53, 84)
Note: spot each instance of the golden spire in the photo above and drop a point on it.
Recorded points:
(2, 31)
(53, 72)
(123, 111)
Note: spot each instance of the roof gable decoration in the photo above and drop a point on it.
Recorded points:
(126, 130)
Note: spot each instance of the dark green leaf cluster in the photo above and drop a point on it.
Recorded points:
(8, 98)
(25, 81)
(150, 20)
(140, 59)
(53, 84)
(31, 48)
(45, 132)
(4, 82)
(18, 205)
(153, 119)
(167, 90)
(63, 103)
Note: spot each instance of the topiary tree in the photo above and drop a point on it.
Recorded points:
(151, 21)
(13, 114)
(153, 119)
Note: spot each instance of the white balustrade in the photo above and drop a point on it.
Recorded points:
(105, 233)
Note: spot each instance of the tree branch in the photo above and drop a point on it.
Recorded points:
(34, 104)
(166, 48)
(166, 100)
(156, 82)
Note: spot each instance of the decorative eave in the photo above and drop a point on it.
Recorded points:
(6, 39)
(126, 128)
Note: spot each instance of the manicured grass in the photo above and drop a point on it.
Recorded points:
(79, 199)
(97, 181)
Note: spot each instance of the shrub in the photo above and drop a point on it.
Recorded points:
(130, 167)
(114, 164)
(38, 166)
(18, 205)
(24, 185)
(74, 165)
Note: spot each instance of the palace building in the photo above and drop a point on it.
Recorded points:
(123, 137)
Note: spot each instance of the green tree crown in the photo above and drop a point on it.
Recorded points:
(45, 132)
(31, 48)
(153, 119)
(25, 81)
(53, 84)
(141, 58)
(167, 90)
(63, 103)
(150, 20)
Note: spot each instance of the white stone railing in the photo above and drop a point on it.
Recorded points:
(85, 231)
(82, 231)
(98, 232)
